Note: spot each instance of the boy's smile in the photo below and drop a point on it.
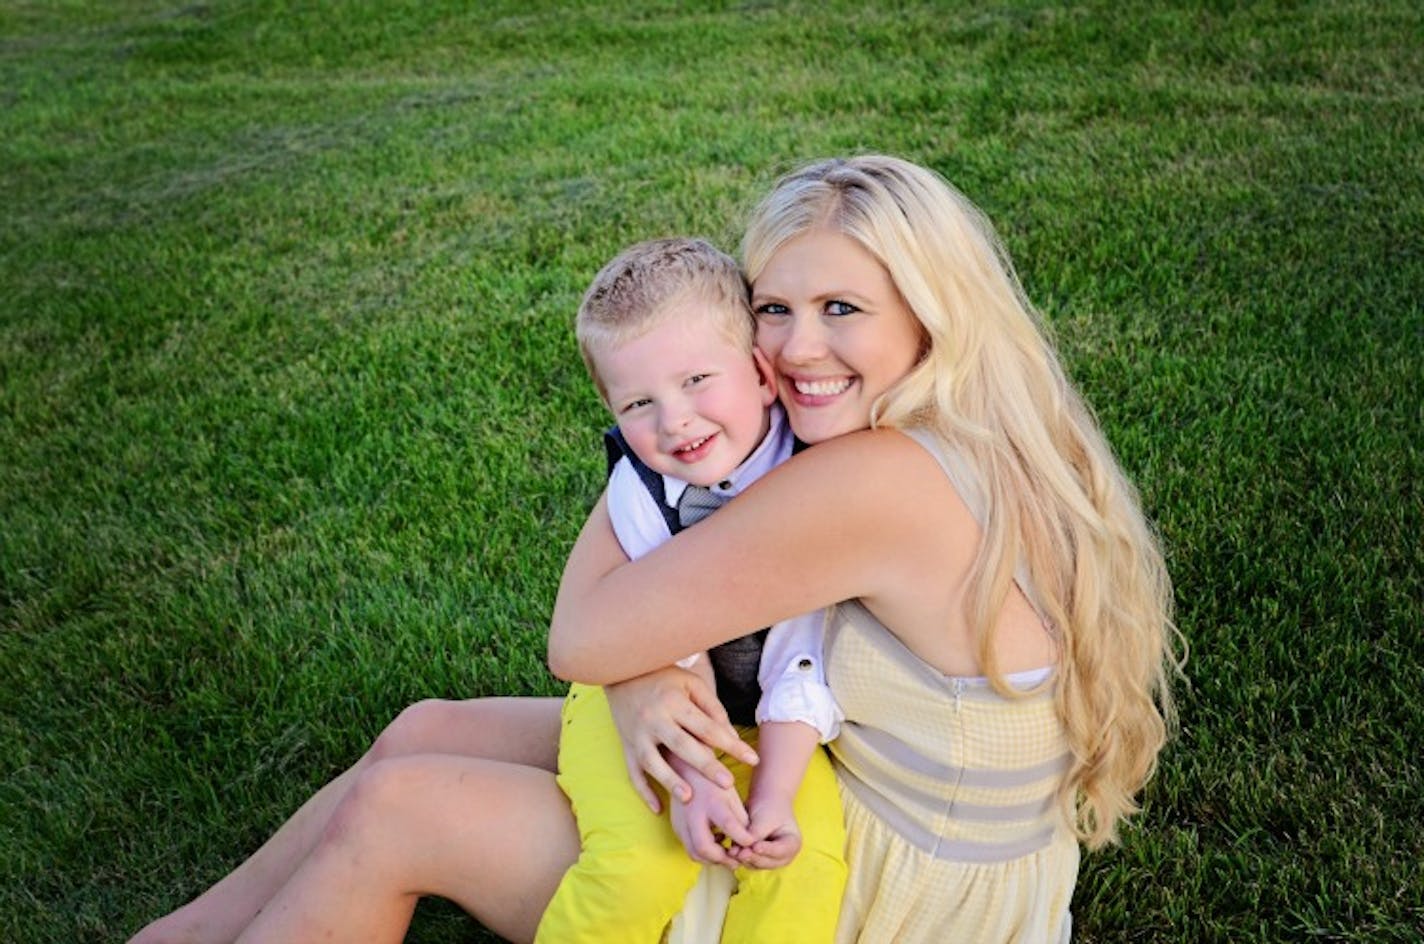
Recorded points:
(690, 402)
(697, 450)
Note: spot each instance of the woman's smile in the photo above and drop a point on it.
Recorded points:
(813, 391)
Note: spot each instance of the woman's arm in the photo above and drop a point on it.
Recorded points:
(845, 519)
(669, 706)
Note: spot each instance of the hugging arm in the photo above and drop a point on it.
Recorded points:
(808, 534)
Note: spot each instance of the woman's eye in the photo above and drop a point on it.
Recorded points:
(769, 309)
(840, 308)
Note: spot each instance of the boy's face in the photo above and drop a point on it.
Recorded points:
(690, 402)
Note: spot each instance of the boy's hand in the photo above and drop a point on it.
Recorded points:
(713, 813)
(778, 838)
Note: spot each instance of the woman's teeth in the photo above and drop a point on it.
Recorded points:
(822, 388)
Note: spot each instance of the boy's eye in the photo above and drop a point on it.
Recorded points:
(835, 307)
(770, 308)
(632, 405)
(697, 378)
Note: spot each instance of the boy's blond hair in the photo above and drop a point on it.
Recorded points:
(635, 291)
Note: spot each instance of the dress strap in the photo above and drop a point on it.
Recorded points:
(967, 481)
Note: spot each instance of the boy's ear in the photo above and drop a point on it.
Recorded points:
(766, 376)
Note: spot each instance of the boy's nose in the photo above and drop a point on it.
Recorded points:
(673, 416)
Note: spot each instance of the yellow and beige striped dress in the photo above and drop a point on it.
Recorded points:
(953, 833)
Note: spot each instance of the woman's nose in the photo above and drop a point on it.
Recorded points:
(805, 340)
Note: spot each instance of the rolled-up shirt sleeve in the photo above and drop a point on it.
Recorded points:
(793, 677)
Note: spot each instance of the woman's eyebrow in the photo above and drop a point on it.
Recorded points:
(825, 296)
(840, 295)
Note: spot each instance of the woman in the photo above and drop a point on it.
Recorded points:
(1000, 639)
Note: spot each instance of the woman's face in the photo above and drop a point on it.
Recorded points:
(836, 331)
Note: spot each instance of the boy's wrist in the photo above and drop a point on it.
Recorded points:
(771, 796)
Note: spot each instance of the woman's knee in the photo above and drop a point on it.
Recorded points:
(375, 800)
(412, 731)
(513, 730)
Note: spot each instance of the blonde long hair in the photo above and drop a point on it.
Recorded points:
(991, 384)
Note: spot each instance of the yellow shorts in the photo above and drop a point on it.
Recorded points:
(632, 873)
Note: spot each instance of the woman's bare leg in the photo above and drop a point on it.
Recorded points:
(521, 731)
(493, 837)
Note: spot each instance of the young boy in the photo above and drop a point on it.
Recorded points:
(666, 332)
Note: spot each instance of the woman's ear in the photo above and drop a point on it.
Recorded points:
(765, 376)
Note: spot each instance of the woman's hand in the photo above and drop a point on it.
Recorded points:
(673, 709)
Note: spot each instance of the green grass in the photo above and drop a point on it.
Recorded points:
(293, 430)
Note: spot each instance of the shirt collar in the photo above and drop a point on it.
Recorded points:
(774, 449)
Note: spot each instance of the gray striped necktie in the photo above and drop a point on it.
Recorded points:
(695, 504)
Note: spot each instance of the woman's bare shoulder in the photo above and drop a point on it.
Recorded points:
(878, 496)
(874, 470)
(886, 451)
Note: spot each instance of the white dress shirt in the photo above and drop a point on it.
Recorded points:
(792, 674)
